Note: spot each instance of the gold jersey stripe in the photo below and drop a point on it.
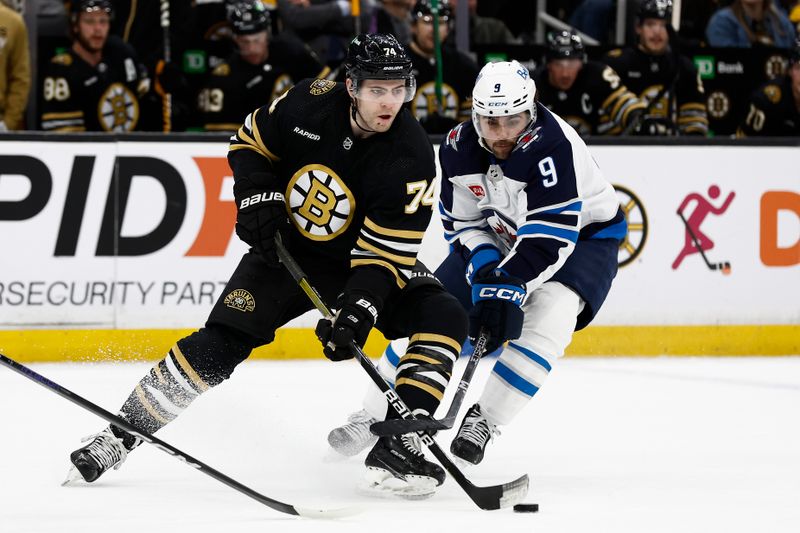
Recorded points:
(189, 370)
(433, 337)
(402, 260)
(148, 406)
(260, 141)
(436, 393)
(403, 234)
(221, 127)
(612, 97)
(70, 128)
(360, 262)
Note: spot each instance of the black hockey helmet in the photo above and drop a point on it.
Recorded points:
(88, 6)
(247, 16)
(424, 8)
(565, 45)
(378, 56)
(654, 9)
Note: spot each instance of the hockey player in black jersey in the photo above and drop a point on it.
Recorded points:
(96, 84)
(345, 173)
(458, 71)
(775, 106)
(587, 94)
(668, 82)
(260, 70)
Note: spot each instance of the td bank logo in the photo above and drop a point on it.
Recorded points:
(705, 66)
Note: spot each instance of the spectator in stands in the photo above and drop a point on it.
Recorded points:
(96, 84)
(160, 49)
(587, 94)
(259, 72)
(775, 106)
(485, 30)
(667, 81)
(15, 72)
(458, 72)
(325, 25)
(748, 23)
(393, 17)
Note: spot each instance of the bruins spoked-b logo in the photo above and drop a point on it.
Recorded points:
(118, 109)
(321, 205)
(424, 103)
(241, 300)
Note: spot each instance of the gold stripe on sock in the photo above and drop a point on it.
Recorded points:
(189, 370)
(436, 393)
(148, 406)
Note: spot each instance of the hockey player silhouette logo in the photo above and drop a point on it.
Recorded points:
(695, 240)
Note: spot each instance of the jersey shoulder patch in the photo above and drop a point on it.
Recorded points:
(319, 87)
(62, 59)
(773, 93)
(454, 136)
(223, 69)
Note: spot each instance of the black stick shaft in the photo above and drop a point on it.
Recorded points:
(148, 438)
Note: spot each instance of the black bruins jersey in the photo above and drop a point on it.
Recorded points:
(458, 75)
(236, 87)
(647, 75)
(597, 103)
(354, 202)
(79, 97)
(772, 112)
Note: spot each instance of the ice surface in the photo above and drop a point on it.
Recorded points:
(617, 445)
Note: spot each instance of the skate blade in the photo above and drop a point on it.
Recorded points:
(381, 483)
(73, 478)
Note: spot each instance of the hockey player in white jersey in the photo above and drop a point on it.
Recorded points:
(534, 229)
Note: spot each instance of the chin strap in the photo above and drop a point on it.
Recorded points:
(355, 114)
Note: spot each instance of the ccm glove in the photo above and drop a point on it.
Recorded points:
(497, 300)
(357, 314)
(261, 212)
(481, 261)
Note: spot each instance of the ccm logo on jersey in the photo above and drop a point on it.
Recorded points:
(307, 134)
(513, 295)
(259, 198)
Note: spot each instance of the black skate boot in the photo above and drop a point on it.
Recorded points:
(397, 466)
(354, 436)
(107, 449)
(473, 436)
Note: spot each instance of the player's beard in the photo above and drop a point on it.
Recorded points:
(88, 44)
(502, 148)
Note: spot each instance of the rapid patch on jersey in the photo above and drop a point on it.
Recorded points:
(320, 203)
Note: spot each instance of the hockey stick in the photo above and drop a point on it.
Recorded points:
(398, 426)
(488, 498)
(723, 266)
(163, 446)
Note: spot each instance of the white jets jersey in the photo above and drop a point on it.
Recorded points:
(535, 206)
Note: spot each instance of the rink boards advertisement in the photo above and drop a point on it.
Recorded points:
(124, 239)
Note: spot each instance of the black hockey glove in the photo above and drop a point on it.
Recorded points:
(497, 300)
(357, 314)
(261, 212)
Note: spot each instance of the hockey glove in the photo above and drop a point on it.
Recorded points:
(481, 261)
(497, 300)
(261, 212)
(357, 314)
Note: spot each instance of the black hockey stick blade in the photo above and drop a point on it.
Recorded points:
(399, 426)
(488, 498)
(171, 450)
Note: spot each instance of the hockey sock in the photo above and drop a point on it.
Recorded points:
(424, 371)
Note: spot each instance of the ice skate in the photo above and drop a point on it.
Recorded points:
(473, 436)
(106, 450)
(354, 436)
(396, 466)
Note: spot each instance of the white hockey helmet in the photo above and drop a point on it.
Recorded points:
(503, 88)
